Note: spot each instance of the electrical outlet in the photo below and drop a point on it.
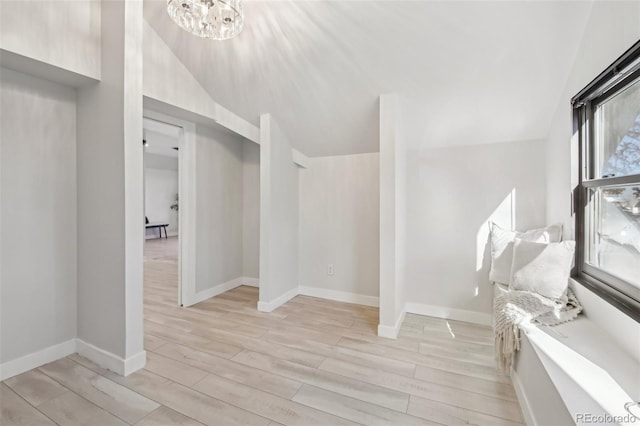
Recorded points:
(330, 269)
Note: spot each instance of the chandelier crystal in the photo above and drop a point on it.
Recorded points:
(214, 19)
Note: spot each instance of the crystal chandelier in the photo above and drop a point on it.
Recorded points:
(214, 19)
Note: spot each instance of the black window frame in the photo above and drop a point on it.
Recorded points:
(610, 82)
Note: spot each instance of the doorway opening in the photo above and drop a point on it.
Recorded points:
(202, 184)
(161, 142)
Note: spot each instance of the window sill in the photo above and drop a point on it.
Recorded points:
(589, 371)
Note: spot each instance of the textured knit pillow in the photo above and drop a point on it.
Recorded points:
(502, 247)
(542, 268)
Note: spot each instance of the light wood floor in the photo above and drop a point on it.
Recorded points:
(310, 362)
(161, 249)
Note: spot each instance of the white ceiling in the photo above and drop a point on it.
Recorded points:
(469, 72)
(161, 138)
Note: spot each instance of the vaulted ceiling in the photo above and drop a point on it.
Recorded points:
(468, 71)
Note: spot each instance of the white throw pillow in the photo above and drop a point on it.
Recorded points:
(502, 247)
(542, 268)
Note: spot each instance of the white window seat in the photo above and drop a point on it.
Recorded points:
(575, 368)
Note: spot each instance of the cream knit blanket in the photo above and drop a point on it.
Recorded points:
(514, 308)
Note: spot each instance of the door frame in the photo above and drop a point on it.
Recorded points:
(187, 209)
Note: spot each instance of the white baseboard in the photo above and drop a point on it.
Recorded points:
(110, 361)
(251, 282)
(213, 291)
(448, 313)
(391, 331)
(527, 412)
(339, 296)
(101, 357)
(36, 359)
(135, 363)
(278, 301)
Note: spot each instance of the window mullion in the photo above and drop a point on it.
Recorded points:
(612, 181)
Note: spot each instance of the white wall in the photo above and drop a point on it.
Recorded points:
(250, 210)
(38, 210)
(340, 223)
(160, 189)
(451, 195)
(65, 34)
(219, 174)
(611, 29)
(278, 217)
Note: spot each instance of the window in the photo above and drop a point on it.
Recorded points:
(607, 120)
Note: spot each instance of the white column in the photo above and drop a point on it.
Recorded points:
(110, 196)
(391, 307)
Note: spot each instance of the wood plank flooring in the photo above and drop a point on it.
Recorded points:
(311, 362)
